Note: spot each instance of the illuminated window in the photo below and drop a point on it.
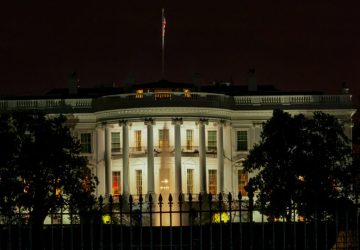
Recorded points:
(189, 139)
(139, 94)
(190, 181)
(116, 187)
(138, 140)
(187, 93)
(85, 141)
(138, 182)
(163, 138)
(212, 139)
(242, 182)
(212, 181)
(115, 141)
(242, 140)
(162, 93)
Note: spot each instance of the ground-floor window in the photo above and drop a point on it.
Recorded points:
(212, 181)
(116, 183)
(139, 183)
(243, 179)
(190, 181)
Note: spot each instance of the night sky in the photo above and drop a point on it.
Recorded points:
(294, 45)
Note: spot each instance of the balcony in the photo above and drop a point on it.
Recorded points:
(177, 99)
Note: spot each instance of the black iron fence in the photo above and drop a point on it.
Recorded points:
(184, 222)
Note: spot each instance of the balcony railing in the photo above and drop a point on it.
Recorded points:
(175, 99)
(338, 100)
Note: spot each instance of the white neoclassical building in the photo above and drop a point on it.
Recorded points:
(169, 137)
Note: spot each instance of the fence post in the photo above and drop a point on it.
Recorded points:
(140, 220)
(251, 210)
(150, 204)
(180, 210)
(191, 221)
(221, 222)
(230, 220)
(240, 222)
(170, 214)
(111, 204)
(101, 206)
(210, 213)
(200, 220)
(131, 217)
(121, 222)
(160, 208)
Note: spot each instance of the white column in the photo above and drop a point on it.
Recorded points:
(257, 132)
(202, 155)
(177, 123)
(125, 155)
(220, 155)
(99, 158)
(107, 160)
(150, 155)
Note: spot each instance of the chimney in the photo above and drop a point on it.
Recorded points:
(344, 89)
(252, 86)
(73, 84)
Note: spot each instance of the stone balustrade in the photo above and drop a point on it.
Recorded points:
(175, 99)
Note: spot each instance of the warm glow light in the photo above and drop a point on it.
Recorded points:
(187, 93)
(106, 219)
(139, 94)
(220, 217)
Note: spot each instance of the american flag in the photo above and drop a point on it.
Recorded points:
(163, 23)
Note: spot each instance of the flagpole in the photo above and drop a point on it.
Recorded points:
(163, 24)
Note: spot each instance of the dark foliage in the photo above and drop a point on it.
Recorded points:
(302, 164)
(41, 169)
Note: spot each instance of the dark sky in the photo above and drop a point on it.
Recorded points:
(294, 45)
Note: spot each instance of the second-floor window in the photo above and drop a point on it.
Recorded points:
(189, 139)
(85, 141)
(242, 140)
(138, 140)
(163, 138)
(212, 139)
(115, 141)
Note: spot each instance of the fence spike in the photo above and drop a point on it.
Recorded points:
(210, 198)
(140, 199)
(239, 196)
(181, 198)
(220, 197)
(190, 197)
(170, 198)
(120, 200)
(101, 201)
(160, 198)
(229, 197)
(200, 197)
(150, 199)
(131, 199)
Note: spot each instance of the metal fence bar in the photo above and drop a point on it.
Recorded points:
(190, 224)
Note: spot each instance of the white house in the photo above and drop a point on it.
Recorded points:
(167, 137)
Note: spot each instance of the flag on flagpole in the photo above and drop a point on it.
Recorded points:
(163, 23)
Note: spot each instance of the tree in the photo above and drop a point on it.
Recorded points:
(41, 169)
(300, 163)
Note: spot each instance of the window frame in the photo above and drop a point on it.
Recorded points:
(212, 140)
(238, 140)
(115, 149)
(86, 145)
(212, 181)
